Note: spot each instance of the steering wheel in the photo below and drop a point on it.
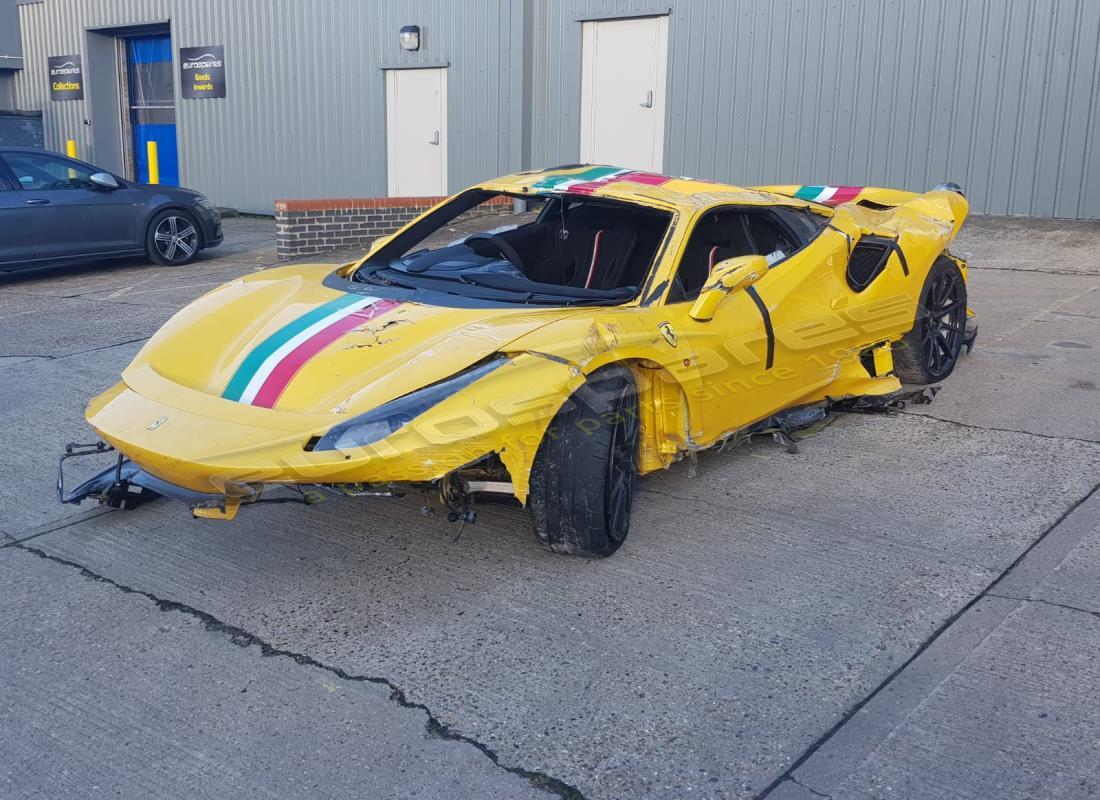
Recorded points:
(502, 247)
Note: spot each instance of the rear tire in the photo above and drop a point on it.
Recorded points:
(173, 238)
(583, 478)
(929, 352)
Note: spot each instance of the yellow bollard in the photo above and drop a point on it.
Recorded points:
(154, 165)
(70, 151)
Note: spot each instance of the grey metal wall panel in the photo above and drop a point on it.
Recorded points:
(305, 111)
(999, 95)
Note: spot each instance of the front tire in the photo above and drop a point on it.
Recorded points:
(583, 478)
(172, 238)
(929, 352)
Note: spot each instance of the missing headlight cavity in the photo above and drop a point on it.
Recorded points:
(868, 260)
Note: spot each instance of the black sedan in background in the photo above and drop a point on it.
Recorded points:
(56, 210)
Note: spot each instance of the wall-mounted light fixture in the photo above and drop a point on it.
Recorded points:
(410, 37)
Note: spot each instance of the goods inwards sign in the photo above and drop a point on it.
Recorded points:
(202, 71)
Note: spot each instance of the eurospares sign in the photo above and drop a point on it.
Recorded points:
(66, 78)
(202, 71)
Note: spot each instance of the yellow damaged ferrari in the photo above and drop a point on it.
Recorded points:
(583, 326)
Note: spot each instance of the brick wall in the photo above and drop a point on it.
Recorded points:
(306, 227)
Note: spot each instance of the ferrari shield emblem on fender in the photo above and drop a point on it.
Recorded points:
(667, 331)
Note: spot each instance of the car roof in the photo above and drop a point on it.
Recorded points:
(629, 185)
(14, 149)
(8, 148)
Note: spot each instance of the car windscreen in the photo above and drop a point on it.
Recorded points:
(568, 250)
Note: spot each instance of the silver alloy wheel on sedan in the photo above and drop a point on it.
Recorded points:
(176, 238)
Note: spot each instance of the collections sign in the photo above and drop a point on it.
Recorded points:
(66, 78)
(202, 71)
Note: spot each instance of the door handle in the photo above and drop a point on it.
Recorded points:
(37, 201)
(434, 139)
(648, 102)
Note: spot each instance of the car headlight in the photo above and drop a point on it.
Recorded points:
(204, 201)
(380, 422)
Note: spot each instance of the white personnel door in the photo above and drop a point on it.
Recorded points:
(416, 132)
(623, 92)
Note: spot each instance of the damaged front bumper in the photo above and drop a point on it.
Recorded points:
(124, 484)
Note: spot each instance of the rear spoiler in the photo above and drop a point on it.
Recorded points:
(868, 196)
(947, 200)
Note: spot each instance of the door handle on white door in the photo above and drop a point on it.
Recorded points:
(434, 139)
(648, 102)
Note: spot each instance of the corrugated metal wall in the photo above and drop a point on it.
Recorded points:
(305, 111)
(999, 95)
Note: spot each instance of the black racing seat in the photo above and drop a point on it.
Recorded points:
(610, 254)
(592, 249)
(562, 254)
(716, 237)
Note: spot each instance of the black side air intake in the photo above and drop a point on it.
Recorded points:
(868, 260)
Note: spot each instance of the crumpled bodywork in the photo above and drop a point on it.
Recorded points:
(239, 387)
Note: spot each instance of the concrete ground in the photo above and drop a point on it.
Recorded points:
(907, 608)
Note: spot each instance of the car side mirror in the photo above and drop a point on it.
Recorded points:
(104, 180)
(731, 275)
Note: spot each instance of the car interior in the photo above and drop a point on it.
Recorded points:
(585, 243)
(39, 171)
(578, 247)
(729, 233)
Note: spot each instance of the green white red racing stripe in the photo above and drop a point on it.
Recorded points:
(829, 195)
(267, 370)
(593, 178)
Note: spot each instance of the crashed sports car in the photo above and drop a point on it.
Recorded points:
(600, 324)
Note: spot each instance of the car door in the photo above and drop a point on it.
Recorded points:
(16, 241)
(70, 215)
(755, 356)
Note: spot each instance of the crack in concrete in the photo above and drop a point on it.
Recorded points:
(147, 278)
(242, 638)
(701, 500)
(854, 709)
(23, 359)
(95, 300)
(998, 430)
(1047, 603)
(1083, 273)
(810, 789)
(57, 525)
(1039, 316)
(77, 353)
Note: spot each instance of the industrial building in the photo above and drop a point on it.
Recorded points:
(250, 101)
